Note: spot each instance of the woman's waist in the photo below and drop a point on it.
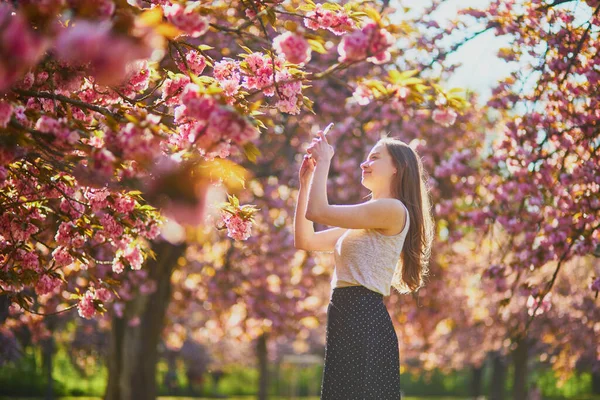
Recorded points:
(355, 292)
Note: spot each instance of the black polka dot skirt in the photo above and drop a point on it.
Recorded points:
(362, 361)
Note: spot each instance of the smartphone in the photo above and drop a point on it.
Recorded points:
(327, 128)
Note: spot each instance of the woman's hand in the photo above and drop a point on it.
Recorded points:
(320, 149)
(307, 170)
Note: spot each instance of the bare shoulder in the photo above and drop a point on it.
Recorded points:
(397, 213)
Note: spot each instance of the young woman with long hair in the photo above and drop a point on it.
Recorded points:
(382, 243)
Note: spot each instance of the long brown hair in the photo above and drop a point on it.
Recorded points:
(410, 185)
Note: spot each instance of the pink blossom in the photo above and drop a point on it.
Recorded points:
(97, 198)
(72, 207)
(137, 142)
(111, 226)
(172, 88)
(124, 204)
(138, 78)
(338, 22)
(188, 19)
(103, 295)
(196, 105)
(380, 41)
(93, 44)
(47, 284)
(545, 306)
(22, 231)
(290, 93)
(118, 266)
(86, 307)
(28, 259)
(362, 94)
(6, 110)
(63, 236)
(62, 257)
(59, 128)
(103, 163)
(27, 81)
(118, 308)
(134, 256)
(227, 73)
(20, 47)
(293, 47)
(195, 61)
(260, 72)
(237, 228)
(445, 117)
(353, 46)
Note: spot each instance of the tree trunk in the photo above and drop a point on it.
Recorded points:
(4, 304)
(519, 359)
(476, 381)
(133, 352)
(498, 377)
(263, 382)
(595, 382)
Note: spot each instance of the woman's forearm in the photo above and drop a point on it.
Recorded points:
(317, 197)
(303, 228)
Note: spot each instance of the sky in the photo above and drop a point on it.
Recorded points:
(481, 68)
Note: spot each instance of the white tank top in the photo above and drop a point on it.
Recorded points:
(367, 257)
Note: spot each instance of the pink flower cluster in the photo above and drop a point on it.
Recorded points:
(187, 18)
(444, 116)
(47, 284)
(28, 260)
(370, 43)
(93, 44)
(20, 47)
(16, 228)
(67, 235)
(112, 228)
(59, 128)
(209, 125)
(257, 6)
(259, 72)
(259, 75)
(338, 22)
(293, 47)
(237, 228)
(538, 306)
(137, 79)
(62, 257)
(137, 141)
(172, 88)
(87, 304)
(227, 73)
(195, 61)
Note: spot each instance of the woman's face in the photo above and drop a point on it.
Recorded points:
(378, 170)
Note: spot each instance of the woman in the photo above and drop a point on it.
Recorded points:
(383, 242)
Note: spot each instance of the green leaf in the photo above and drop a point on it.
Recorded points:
(317, 46)
(251, 152)
(306, 7)
(331, 6)
(308, 103)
